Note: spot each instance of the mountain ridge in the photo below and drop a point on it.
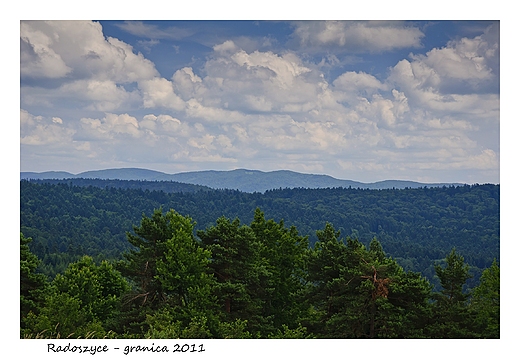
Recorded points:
(245, 180)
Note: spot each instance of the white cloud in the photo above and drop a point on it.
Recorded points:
(452, 79)
(111, 126)
(38, 131)
(486, 159)
(356, 36)
(154, 32)
(205, 142)
(358, 82)
(99, 95)
(79, 49)
(253, 82)
(450, 123)
(159, 92)
(187, 84)
(165, 125)
(91, 69)
(226, 47)
(37, 57)
(212, 114)
(465, 59)
(286, 134)
(285, 68)
(123, 65)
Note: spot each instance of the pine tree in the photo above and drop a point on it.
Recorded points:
(238, 270)
(283, 250)
(140, 264)
(451, 315)
(32, 284)
(360, 293)
(170, 272)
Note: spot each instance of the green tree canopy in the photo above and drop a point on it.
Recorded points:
(82, 301)
(361, 293)
(485, 302)
(452, 318)
(170, 273)
(32, 284)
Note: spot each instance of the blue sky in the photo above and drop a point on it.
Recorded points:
(360, 100)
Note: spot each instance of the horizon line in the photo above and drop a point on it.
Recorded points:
(252, 170)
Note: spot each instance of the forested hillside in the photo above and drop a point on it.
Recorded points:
(417, 227)
(257, 280)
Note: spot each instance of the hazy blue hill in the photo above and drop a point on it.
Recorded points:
(124, 174)
(257, 181)
(240, 179)
(46, 175)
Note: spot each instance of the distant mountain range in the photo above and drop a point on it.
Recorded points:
(240, 179)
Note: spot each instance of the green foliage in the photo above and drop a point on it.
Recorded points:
(63, 317)
(360, 293)
(238, 269)
(485, 302)
(451, 315)
(32, 284)
(98, 288)
(234, 330)
(286, 333)
(262, 280)
(164, 326)
(258, 269)
(417, 227)
(283, 251)
(169, 269)
(453, 277)
(81, 302)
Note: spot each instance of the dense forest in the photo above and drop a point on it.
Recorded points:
(103, 260)
(417, 227)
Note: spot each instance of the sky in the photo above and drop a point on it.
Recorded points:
(358, 100)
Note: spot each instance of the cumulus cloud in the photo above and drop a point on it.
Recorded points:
(425, 88)
(470, 62)
(253, 82)
(452, 79)
(165, 125)
(38, 131)
(37, 57)
(306, 114)
(213, 114)
(79, 49)
(88, 67)
(99, 95)
(352, 81)
(111, 126)
(187, 84)
(159, 92)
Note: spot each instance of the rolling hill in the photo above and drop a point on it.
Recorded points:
(240, 179)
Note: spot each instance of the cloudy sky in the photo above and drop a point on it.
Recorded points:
(367, 101)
